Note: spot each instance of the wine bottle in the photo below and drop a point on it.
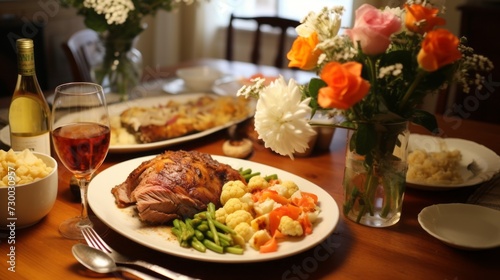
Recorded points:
(29, 112)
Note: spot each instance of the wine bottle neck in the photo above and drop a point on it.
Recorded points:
(25, 57)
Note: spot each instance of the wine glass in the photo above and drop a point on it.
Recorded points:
(81, 135)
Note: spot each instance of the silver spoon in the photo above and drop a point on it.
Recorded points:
(98, 261)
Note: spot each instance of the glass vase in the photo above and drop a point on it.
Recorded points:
(375, 173)
(120, 67)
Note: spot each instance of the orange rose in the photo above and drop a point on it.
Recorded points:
(420, 19)
(439, 48)
(345, 85)
(302, 54)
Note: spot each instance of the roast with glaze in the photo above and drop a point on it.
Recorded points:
(174, 184)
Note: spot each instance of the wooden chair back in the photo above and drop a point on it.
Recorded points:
(81, 49)
(282, 23)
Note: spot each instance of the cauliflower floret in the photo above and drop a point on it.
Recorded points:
(232, 189)
(220, 215)
(313, 216)
(238, 217)
(291, 227)
(291, 188)
(259, 238)
(260, 222)
(265, 206)
(245, 231)
(280, 189)
(256, 183)
(296, 196)
(248, 199)
(285, 188)
(234, 204)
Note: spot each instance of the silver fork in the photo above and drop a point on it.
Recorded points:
(95, 241)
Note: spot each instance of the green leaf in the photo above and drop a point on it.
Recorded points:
(312, 91)
(314, 86)
(365, 138)
(95, 21)
(425, 119)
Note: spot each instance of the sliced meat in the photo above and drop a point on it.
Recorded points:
(175, 184)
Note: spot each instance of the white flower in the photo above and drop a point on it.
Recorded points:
(114, 11)
(281, 118)
(252, 90)
(326, 24)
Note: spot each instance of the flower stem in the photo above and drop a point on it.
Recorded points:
(411, 89)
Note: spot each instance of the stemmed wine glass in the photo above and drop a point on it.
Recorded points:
(81, 135)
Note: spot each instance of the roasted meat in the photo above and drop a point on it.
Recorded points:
(175, 184)
(174, 119)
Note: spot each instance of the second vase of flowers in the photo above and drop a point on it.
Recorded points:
(375, 173)
(120, 68)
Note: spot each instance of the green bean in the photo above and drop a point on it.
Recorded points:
(195, 222)
(271, 177)
(197, 245)
(223, 227)
(244, 171)
(198, 234)
(176, 223)
(248, 176)
(203, 232)
(224, 240)
(177, 233)
(203, 227)
(211, 210)
(213, 230)
(210, 220)
(212, 246)
(201, 215)
(187, 232)
(234, 250)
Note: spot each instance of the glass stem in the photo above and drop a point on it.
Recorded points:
(84, 216)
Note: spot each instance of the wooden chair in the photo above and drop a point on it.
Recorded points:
(281, 23)
(81, 49)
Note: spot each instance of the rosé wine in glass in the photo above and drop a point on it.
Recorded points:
(81, 136)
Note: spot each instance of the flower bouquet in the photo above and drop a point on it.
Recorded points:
(118, 23)
(374, 76)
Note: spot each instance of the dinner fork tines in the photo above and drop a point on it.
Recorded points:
(94, 240)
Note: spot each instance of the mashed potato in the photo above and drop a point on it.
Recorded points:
(27, 166)
(434, 167)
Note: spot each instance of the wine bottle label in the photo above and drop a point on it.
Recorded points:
(39, 143)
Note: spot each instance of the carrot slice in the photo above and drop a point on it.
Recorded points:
(274, 196)
(270, 246)
(285, 210)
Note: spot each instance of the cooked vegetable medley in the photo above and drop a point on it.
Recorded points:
(260, 212)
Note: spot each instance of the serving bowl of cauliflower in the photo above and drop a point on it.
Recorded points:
(28, 187)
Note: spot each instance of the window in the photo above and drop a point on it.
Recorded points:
(292, 9)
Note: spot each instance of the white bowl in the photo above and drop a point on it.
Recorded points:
(29, 203)
(199, 78)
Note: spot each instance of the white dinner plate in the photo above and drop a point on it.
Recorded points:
(127, 224)
(463, 226)
(227, 86)
(118, 108)
(174, 86)
(487, 160)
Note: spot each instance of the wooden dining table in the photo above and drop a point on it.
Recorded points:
(351, 251)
